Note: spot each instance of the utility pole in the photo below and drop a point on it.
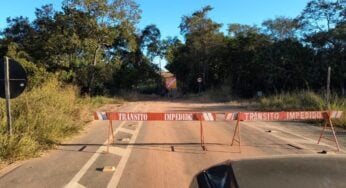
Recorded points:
(161, 84)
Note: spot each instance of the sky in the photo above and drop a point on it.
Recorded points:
(166, 14)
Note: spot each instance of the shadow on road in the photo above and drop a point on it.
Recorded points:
(178, 147)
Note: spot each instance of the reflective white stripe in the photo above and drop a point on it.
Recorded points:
(210, 115)
(205, 116)
(231, 116)
(228, 116)
(99, 116)
(336, 114)
(339, 114)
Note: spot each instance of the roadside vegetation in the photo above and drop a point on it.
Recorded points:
(282, 55)
(43, 117)
(303, 100)
(92, 51)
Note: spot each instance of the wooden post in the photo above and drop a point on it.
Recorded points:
(328, 89)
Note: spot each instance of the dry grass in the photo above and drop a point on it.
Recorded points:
(302, 101)
(43, 117)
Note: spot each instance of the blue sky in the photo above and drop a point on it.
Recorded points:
(166, 14)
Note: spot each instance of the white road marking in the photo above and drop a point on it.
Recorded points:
(116, 150)
(75, 185)
(129, 131)
(121, 166)
(87, 165)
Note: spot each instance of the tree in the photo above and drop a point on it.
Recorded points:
(149, 41)
(202, 37)
(104, 16)
(136, 68)
(243, 69)
(323, 24)
(281, 28)
(320, 15)
(19, 31)
(285, 65)
(237, 30)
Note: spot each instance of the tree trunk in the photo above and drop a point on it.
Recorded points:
(90, 89)
(95, 54)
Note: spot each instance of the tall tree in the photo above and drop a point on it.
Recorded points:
(320, 15)
(322, 21)
(202, 36)
(281, 28)
(104, 17)
(236, 30)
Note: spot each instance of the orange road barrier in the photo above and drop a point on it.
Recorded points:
(154, 116)
(327, 116)
(229, 116)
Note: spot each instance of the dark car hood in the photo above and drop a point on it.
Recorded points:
(286, 171)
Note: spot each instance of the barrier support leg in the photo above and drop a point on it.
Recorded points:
(202, 136)
(328, 121)
(322, 132)
(236, 135)
(109, 122)
(110, 134)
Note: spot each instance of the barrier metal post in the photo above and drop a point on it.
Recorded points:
(328, 121)
(237, 132)
(109, 122)
(202, 134)
(110, 133)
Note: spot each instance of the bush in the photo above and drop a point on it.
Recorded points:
(98, 101)
(41, 118)
(292, 101)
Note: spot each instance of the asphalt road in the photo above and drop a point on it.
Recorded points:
(159, 154)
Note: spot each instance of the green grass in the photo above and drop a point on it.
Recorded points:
(44, 117)
(41, 118)
(302, 101)
(98, 101)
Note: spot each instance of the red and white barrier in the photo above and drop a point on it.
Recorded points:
(229, 116)
(281, 116)
(155, 116)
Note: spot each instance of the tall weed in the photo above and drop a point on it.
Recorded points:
(41, 118)
(303, 101)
